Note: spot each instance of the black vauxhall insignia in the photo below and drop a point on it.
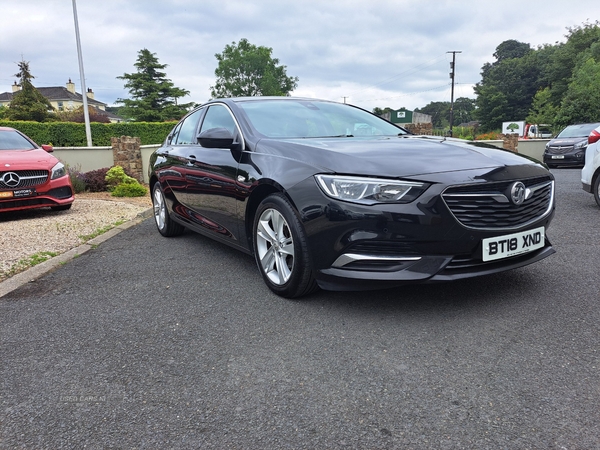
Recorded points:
(328, 195)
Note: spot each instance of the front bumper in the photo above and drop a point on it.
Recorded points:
(56, 194)
(570, 159)
(429, 269)
(356, 247)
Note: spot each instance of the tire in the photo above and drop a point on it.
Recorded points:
(61, 207)
(281, 250)
(166, 226)
(596, 189)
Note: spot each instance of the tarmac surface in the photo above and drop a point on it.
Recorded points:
(148, 342)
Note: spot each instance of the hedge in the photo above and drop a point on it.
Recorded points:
(71, 134)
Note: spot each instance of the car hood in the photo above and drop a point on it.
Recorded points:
(402, 156)
(26, 159)
(567, 141)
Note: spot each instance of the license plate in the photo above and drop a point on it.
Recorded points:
(558, 156)
(17, 193)
(513, 244)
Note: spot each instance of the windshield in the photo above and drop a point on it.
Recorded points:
(575, 131)
(307, 119)
(11, 140)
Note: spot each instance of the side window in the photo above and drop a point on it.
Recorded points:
(218, 116)
(174, 133)
(187, 131)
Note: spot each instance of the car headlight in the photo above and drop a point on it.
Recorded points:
(579, 145)
(59, 170)
(370, 190)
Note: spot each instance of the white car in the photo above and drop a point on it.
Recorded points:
(590, 174)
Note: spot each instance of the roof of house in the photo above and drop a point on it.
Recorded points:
(57, 93)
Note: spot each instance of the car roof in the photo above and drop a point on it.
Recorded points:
(274, 97)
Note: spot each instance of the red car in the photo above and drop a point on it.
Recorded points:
(30, 177)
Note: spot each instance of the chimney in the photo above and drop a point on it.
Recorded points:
(71, 87)
(16, 87)
(90, 93)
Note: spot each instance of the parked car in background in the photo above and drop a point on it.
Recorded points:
(590, 174)
(538, 131)
(326, 194)
(568, 147)
(30, 177)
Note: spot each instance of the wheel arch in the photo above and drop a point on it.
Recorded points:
(256, 197)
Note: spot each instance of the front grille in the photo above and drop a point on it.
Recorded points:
(487, 205)
(26, 178)
(559, 149)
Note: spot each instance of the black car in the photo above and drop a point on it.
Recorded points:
(568, 147)
(329, 195)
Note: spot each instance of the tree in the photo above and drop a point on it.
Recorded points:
(154, 97)
(566, 57)
(77, 115)
(542, 110)
(511, 49)
(28, 103)
(380, 112)
(491, 108)
(464, 109)
(245, 70)
(439, 112)
(581, 103)
(508, 85)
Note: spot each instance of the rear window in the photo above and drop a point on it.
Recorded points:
(12, 140)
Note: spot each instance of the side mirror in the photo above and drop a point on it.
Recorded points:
(216, 138)
(48, 148)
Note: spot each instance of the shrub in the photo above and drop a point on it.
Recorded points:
(129, 190)
(77, 178)
(77, 181)
(96, 180)
(70, 134)
(491, 136)
(116, 175)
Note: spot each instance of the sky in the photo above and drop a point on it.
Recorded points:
(370, 53)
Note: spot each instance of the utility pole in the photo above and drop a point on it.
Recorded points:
(86, 113)
(452, 72)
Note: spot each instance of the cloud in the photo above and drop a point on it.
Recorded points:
(372, 53)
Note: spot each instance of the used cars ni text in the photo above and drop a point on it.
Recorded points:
(568, 147)
(329, 195)
(590, 174)
(30, 177)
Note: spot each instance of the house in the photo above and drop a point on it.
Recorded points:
(64, 99)
(414, 122)
(403, 117)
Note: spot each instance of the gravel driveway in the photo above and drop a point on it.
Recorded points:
(35, 232)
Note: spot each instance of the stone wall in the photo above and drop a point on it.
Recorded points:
(128, 155)
(418, 128)
(511, 142)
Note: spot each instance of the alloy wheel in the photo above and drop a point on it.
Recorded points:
(160, 209)
(275, 246)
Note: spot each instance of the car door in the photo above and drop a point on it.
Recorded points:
(173, 172)
(211, 179)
